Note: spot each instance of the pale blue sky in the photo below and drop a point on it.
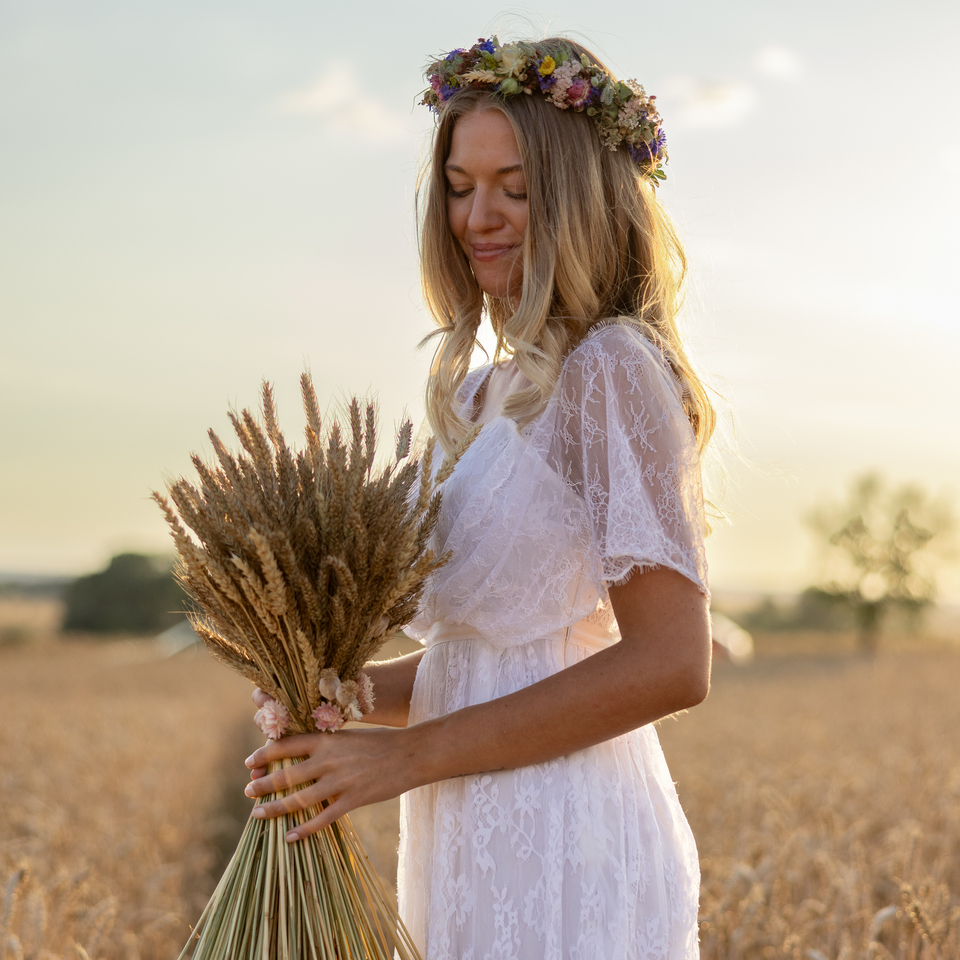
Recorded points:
(195, 196)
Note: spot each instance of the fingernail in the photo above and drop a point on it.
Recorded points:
(248, 789)
(292, 837)
(258, 813)
(249, 761)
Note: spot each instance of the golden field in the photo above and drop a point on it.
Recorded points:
(824, 791)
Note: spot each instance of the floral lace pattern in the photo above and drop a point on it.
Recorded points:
(587, 856)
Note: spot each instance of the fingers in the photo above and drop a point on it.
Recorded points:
(332, 812)
(286, 748)
(259, 697)
(287, 778)
(292, 802)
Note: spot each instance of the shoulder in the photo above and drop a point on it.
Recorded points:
(616, 355)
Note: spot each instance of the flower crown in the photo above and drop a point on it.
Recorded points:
(623, 112)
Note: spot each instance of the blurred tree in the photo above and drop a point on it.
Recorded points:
(814, 609)
(136, 593)
(879, 549)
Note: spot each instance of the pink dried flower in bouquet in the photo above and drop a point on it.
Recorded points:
(272, 719)
(328, 717)
(365, 695)
(352, 711)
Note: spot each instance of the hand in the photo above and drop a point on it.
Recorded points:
(351, 768)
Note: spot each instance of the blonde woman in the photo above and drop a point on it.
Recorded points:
(539, 820)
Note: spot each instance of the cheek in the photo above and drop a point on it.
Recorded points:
(456, 219)
(520, 223)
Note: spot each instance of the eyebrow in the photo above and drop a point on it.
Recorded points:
(502, 170)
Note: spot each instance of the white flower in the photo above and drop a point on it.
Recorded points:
(329, 684)
(512, 60)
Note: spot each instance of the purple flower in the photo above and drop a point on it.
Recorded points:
(547, 82)
(486, 46)
(643, 152)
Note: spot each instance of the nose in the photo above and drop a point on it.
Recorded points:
(484, 211)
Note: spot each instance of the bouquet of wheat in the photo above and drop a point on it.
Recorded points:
(302, 562)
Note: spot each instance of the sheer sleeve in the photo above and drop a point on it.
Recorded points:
(624, 444)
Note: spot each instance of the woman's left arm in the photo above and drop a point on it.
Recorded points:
(661, 665)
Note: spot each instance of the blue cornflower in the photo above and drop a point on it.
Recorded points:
(485, 45)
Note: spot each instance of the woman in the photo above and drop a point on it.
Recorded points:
(539, 819)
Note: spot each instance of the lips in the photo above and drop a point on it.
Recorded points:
(486, 252)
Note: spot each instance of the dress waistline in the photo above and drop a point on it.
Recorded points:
(581, 634)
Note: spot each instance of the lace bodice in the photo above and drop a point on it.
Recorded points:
(541, 520)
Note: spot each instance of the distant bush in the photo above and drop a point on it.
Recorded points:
(135, 594)
(814, 609)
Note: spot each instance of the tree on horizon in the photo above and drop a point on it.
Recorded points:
(880, 545)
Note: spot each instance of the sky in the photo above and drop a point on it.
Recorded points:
(196, 196)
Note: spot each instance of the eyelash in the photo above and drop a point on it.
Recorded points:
(457, 194)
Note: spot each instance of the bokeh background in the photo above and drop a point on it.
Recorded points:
(195, 196)
(199, 195)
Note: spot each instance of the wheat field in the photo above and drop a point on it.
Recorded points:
(824, 791)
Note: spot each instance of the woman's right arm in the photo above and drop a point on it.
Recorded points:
(392, 689)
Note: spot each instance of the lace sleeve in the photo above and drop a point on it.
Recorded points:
(624, 444)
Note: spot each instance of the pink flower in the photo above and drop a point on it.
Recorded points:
(272, 719)
(352, 711)
(577, 90)
(328, 717)
(365, 696)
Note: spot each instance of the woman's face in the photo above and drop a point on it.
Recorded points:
(487, 200)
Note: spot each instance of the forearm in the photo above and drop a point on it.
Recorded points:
(608, 694)
(392, 688)
(661, 666)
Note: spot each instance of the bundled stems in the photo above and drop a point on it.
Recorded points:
(300, 564)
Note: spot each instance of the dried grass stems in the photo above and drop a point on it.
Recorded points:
(304, 560)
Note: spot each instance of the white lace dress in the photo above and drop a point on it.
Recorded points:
(589, 856)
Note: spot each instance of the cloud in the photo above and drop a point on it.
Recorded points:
(779, 63)
(335, 98)
(708, 103)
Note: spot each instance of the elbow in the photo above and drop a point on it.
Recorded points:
(691, 685)
(699, 688)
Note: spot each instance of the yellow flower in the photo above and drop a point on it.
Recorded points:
(547, 66)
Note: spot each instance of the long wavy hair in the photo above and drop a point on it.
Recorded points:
(598, 247)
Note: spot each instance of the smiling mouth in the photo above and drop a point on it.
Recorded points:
(488, 252)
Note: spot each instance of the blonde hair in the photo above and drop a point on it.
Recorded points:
(598, 246)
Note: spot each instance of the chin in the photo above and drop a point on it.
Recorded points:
(500, 288)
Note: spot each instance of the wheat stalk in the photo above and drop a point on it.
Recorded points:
(302, 561)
